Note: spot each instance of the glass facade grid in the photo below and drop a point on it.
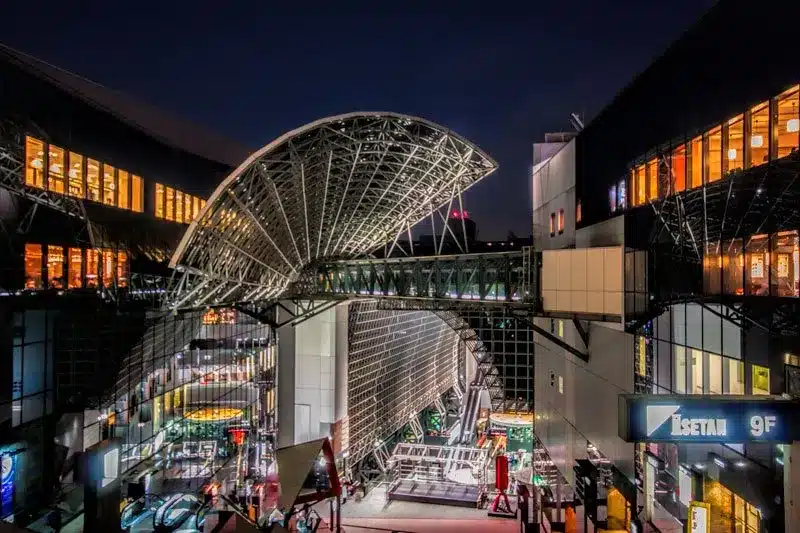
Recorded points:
(58, 267)
(761, 265)
(78, 176)
(766, 131)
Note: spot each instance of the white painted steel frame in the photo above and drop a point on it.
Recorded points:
(339, 187)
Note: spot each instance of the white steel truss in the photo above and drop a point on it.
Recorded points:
(340, 187)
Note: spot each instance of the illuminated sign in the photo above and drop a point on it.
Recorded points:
(699, 517)
(688, 418)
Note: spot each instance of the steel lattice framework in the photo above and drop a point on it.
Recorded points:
(339, 187)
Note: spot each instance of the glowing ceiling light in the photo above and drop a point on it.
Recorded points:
(757, 141)
(732, 154)
(793, 125)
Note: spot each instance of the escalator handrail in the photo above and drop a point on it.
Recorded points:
(234, 506)
(160, 522)
(146, 507)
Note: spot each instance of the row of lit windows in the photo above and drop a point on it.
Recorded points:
(177, 206)
(767, 131)
(59, 267)
(55, 169)
(762, 265)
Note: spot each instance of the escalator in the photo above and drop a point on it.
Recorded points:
(469, 415)
(177, 514)
(217, 511)
(137, 516)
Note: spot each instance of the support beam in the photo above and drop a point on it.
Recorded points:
(560, 342)
(583, 332)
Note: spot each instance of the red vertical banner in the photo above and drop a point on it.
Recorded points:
(501, 472)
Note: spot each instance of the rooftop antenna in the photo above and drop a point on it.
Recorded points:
(576, 122)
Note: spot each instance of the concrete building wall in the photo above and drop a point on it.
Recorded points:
(553, 191)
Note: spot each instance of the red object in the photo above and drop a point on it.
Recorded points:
(238, 436)
(501, 472)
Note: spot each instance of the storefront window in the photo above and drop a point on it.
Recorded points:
(760, 380)
(109, 185)
(137, 196)
(74, 268)
(123, 179)
(713, 154)
(696, 372)
(622, 195)
(735, 138)
(92, 267)
(759, 134)
(785, 270)
(93, 179)
(733, 376)
(696, 167)
(714, 374)
(169, 192)
(122, 269)
(641, 185)
(678, 168)
(55, 171)
(757, 266)
(680, 370)
(733, 267)
(788, 122)
(652, 179)
(75, 175)
(33, 266)
(34, 162)
(55, 267)
(109, 267)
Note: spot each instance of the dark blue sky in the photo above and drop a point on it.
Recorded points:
(500, 73)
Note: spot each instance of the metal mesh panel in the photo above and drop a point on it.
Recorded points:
(398, 364)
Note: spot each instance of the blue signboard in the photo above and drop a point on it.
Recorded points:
(724, 419)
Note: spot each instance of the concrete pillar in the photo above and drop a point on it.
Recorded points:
(791, 485)
(285, 382)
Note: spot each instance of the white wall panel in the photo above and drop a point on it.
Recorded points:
(588, 280)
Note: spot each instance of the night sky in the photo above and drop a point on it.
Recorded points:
(500, 73)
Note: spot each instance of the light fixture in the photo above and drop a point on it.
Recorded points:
(740, 464)
(731, 154)
(719, 462)
(700, 466)
(37, 164)
(757, 141)
(793, 125)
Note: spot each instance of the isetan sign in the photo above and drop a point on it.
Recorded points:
(687, 418)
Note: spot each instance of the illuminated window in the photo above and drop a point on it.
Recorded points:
(612, 198)
(169, 192)
(652, 180)
(55, 267)
(202, 204)
(677, 164)
(93, 180)
(641, 185)
(733, 267)
(34, 162)
(196, 207)
(55, 171)
(109, 185)
(74, 280)
(622, 195)
(92, 267)
(578, 212)
(552, 224)
(137, 196)
(696, 167)
(122, 269)
(696, 372)
(734, 155)
(159, 201)
(560, 221)
(714, 373)
(187, 208)
(756, 272)
(109, 267)
(788, 122)
(75, 175)
(784, 267)
(33, 266)
(123, 180)
(178, 206)
(759, 134)
(713, 154)
(760, 380)
(733, 376)
(679, 371)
